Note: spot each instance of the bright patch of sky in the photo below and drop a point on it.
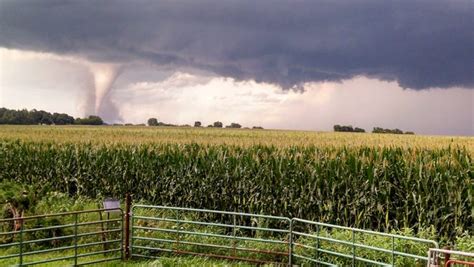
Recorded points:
(61, 84)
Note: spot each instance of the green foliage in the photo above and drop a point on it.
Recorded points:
(152, 122)
(390, 131)
(348, 128)
(401, 245)
(155, 122)
(373, 188)
(48, 233)
(9, 116)
(217, 124)
(234, 125)
(53, 202)
(464, 242)
(91, 120)
(16, 198)
(14, 194)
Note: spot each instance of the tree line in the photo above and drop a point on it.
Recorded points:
(25, 117)
(197, 124)
(349, 128)
(390, 131)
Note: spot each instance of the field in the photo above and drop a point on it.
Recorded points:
(108, 135)
(372, 181)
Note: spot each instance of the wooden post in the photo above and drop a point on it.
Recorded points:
(447, 256)
(128, 204)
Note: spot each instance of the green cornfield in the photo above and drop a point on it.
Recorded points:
(370, 181)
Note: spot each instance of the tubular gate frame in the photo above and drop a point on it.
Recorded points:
(234, 237)
(354, 245)
(21, 243)
(290, 240)
(285, 254)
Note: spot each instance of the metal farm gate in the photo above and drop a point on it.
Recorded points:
(150, 232)
(161, 230)
(69, 238)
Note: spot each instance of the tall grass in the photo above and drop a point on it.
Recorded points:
(379, 188)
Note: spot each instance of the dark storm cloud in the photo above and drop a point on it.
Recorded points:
(421, 44)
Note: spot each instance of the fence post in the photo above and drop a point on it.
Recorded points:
(75, 239)
(234, 234)
(447, 256)
(353, 248)
(178, 227)
(21, 242)
(128, 204)
(317, 242)
(290, 241)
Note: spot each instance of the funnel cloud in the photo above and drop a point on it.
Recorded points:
(104, 76)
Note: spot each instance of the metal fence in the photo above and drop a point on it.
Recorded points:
(86, 237)
(235, 236)
(157, 230)
(351, 242)
(69, 238)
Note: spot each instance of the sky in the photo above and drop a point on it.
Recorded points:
(278, 64)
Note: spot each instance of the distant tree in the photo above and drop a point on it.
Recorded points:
(152, 122)
(409, 132)
(2, 111)
(33, 116)
(378, 130)
(347, 128)
(389, 131)
(62, 119)
(95, 120)
(217, 124)
(165, 124)
(91, 120)
(234, 125)
(16, 117)
(197, 124)
(45, 117)
(210, 126)
(397, 131)
(257, 127)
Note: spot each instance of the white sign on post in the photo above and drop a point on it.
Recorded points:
(111, 204)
